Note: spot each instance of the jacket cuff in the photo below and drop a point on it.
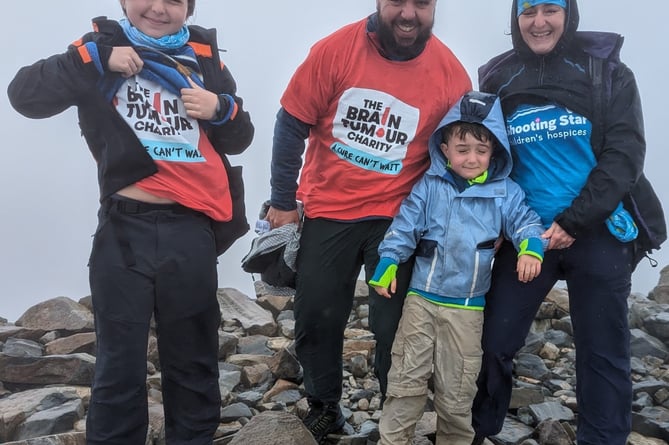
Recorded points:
(227, 109)
(90, 53)
(385, 273)
(533, 247)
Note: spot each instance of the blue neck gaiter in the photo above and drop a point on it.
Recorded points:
(168, 42)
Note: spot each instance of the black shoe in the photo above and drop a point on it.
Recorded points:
(478, 440)
(323, 420)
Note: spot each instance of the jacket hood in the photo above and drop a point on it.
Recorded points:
(480, 108)
(570, 28)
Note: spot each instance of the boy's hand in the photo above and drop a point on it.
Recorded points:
(384, 277)
(125, 60)
(200, 103)
(528, 268)
(383, 291)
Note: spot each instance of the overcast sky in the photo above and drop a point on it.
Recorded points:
(48, 188)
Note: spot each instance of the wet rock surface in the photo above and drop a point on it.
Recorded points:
(47, 359)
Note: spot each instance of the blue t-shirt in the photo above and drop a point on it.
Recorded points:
(552, 156)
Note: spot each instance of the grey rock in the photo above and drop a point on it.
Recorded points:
(642, 400)
(229, 378)
(17, 407)
(21, 347)
(274, 428)
(73, 369)
(559, 338)
(250, 398)
(551, 432)
(256, 375)
(275, 303)
(643, 344)
(265, 377)
(358, 366)
(57, 439)
(533, 343)
(556, 385)
(288, 397)
(287, 328)
(10, 331)
(72, 344)
(530, 365)
(227, 344)
(253, 344)
(650, 386)
(60, 313)
(551, 410)
(526, 396)
(235, 306)
(559, 296)
(513, 432)
(286, 315)
(638, 366)
(564, 324)
(652, 422)
(284, 365)
(661, 292)
(58, 419)
(658, 326)
(235, 411)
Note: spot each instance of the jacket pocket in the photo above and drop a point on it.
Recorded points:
(426, 248)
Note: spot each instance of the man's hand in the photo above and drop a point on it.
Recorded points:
(278, 218)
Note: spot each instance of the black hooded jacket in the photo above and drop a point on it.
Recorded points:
(52, 85)
(563, 77)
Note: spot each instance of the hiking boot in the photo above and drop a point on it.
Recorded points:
(323, 420)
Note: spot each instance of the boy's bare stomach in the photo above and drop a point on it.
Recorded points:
(134, 192)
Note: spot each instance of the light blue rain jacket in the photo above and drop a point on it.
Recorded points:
(453, 233)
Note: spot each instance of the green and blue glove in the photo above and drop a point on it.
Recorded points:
(385, 273)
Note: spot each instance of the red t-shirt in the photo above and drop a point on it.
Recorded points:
(371, 120)
(190, 171)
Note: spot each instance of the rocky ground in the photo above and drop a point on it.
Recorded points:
(47, 360)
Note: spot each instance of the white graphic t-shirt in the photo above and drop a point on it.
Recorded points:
(190, 171)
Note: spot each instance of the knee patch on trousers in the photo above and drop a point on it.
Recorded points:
(459, 394)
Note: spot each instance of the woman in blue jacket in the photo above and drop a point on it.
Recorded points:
(577, 140)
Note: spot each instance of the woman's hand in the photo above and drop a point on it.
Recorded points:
(558, 238)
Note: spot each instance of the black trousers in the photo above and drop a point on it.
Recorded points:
(598, 272)
(328, 265)
(154, 261)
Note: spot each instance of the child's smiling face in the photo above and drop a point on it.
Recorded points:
(469, 157)
(156, 18)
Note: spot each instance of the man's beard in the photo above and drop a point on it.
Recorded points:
(394, 49)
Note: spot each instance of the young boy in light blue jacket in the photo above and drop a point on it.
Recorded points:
(451, 221)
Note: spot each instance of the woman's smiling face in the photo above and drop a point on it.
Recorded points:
(542, 26)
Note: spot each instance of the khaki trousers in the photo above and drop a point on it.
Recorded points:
(439, 342)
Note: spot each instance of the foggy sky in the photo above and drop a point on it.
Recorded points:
(48, 186)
